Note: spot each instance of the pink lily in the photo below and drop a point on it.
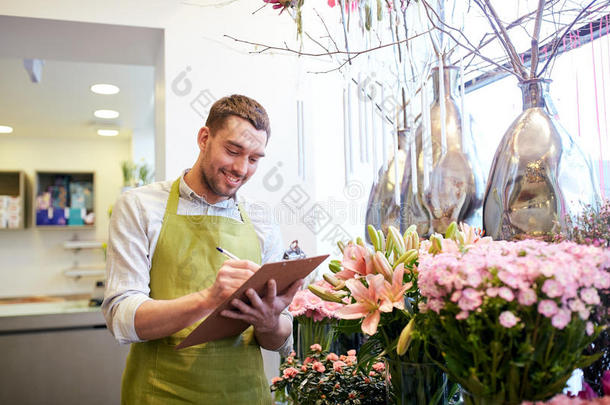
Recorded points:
(356, 261)
(395, 292)
(382, 266)
(370, 302)
(470, 235)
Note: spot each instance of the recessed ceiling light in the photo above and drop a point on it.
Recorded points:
(5, 129)
(103, 88)
(107, 132)
(107, 114)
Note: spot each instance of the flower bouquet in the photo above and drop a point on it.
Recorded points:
(315, 318)
(379, 295)
(324, 378)
(511, 318)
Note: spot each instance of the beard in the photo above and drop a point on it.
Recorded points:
(214, 180)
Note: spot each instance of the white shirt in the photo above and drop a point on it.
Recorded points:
(135, 225)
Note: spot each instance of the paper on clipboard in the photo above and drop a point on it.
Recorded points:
(216, 327)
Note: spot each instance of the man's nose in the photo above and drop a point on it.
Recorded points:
(240, 166)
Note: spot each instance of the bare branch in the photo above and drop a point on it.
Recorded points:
(344, 30)
(534, 63)
(330, 70)
(326, 28)
(260, 8)
(560, 38)
(473, 49)
(516, 23)
(504, 38)
(317, 42)
(351, 54)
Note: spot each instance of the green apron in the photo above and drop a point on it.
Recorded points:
(224, 372)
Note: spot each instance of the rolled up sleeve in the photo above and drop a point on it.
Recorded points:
(127, 269)
(285, 349)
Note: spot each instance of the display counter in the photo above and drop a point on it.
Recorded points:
(58, 353)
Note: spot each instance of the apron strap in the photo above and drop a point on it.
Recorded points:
(243, 214)
(174, 196)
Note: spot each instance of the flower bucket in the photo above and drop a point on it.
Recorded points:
(310, 332)
(470, 399)
(415, 383)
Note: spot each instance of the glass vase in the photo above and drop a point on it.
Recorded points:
(310, 332)
(383, 209)
(538, 176)
(454, 189)
(412, 208)
(470, 399)
(415, 383)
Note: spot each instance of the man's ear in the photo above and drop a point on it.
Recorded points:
(202, 137)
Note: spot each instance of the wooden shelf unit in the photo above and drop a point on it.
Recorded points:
(45, 179)
(13, 183)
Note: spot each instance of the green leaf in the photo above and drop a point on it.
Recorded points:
(474, 386)
(348, 326)
(369, 352)
(586, 361)
(549, 390)
(512, 383)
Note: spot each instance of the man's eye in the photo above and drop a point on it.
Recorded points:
(253, 160)
(232, 152)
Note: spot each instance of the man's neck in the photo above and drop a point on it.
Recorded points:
(200, 188)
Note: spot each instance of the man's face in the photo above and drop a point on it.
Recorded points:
(230, 157)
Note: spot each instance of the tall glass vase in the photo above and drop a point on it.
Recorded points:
(454, 188)
(310, 331)
(383, 209)
(412, 208)
(538, 176)
(415, 383)
(498, 399)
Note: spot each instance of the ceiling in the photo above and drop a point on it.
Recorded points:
(62, 105)
(76, 56)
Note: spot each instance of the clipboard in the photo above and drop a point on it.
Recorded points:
(285, 273)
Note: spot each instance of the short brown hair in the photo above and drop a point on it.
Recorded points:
(239, 106)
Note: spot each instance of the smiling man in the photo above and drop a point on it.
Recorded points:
(165, 274)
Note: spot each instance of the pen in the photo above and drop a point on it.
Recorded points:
(227, 253)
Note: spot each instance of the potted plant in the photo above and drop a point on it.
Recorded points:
(324, 378)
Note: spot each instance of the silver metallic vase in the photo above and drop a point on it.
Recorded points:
(456, 184)
(382, 209)
(412, 208)
(539, 175)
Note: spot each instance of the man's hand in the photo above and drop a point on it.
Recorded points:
(229, 278)
(155, 319)
(263, 312)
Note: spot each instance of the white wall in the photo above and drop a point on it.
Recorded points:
(143, 145)
(197, 58)
(32, 261)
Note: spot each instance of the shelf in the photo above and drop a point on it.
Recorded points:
(64, 200)
(83, 244)
(86, 271)
(64, 227)
(12, 200)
